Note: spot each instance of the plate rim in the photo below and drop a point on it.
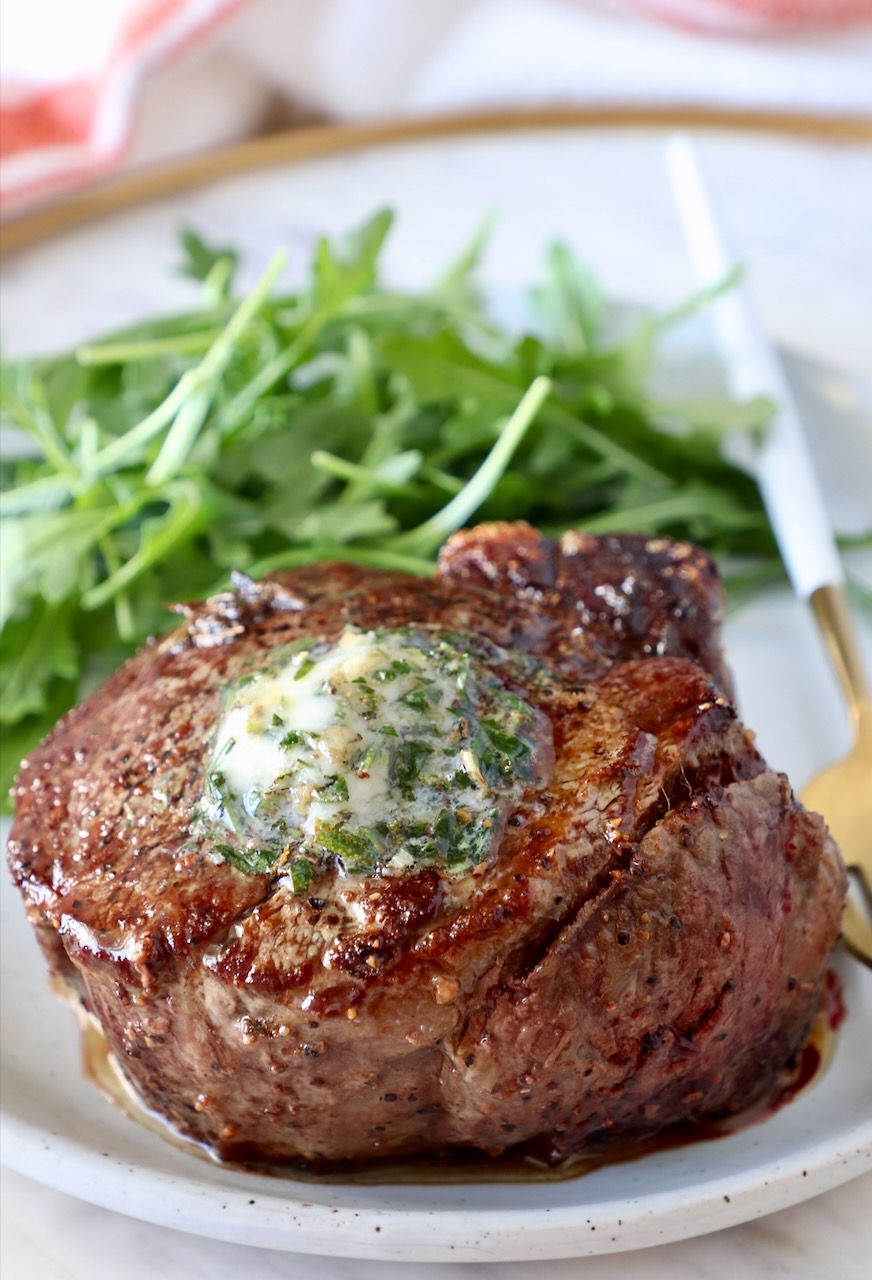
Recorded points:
(291, 146)
(419, 1234)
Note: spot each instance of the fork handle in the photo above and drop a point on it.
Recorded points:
(782, 464)
(834, 620)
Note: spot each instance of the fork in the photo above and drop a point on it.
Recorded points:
(793, 499)
(843, 792)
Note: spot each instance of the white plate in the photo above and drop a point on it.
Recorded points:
(56, 1127)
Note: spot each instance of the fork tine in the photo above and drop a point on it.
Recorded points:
(862, 879)
(857, 934)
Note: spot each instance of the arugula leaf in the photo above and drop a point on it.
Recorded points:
(207, 262)
(345, 420)
(348, 266)
(570, 303)
(36, 649)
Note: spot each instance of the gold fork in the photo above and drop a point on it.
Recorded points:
(785, 473)
(843, 792)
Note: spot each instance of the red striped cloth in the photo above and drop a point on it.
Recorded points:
(757, 17)
(61, 132)
(71, 70)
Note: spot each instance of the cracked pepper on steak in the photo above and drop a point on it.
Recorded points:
(643, 941)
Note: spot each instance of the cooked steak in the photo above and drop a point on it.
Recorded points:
(355, 865)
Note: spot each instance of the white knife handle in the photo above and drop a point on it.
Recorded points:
(783, 464)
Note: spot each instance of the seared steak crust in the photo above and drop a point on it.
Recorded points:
(647, 946)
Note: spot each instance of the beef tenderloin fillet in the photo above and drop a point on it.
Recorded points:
(647, 946)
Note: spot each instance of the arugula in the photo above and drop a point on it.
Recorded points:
(346, 421)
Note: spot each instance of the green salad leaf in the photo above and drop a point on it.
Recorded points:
(345, 420)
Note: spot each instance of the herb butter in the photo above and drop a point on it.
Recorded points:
(377, 755)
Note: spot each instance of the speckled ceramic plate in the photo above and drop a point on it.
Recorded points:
(56, 1127)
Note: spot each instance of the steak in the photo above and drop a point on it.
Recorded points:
(644, 941)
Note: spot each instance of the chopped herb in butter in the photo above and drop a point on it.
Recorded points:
(380, 754)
